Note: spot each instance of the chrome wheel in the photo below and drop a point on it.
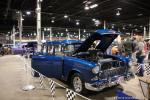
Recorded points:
(77, 84)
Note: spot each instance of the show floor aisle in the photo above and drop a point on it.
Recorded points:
(13, 77)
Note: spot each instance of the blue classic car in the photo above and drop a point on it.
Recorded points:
(85, 65)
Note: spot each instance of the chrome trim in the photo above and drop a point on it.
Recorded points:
(89, 86)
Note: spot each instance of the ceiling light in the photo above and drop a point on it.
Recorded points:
(118, 13)
(97, 22)
(17, 12)
(52, 21)
(44, 29)
(141, 26)
(77, 23)
(93, 6)
(119, 9)
(87, 2)
(28, 12)
(34, 34)
(86, 7)
(48, 29)
(139, 14)
(66, 30)
(84, 30)
(130, 24)
(22, 19)
(123, 28)
(136, 29)
(113, 26)
(65, 16)
(93, 19)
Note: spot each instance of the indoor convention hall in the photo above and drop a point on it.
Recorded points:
(74, 50)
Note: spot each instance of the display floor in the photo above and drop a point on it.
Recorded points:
(13, 78)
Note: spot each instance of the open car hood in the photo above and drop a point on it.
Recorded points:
(106, 37)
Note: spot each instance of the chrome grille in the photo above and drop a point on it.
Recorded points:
(112, 72)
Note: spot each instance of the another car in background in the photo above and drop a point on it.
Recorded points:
(25, 47)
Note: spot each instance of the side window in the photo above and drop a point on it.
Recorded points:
(50, 49)
(43, 49)
(58, 50)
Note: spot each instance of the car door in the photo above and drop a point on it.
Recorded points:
(54, 63)
(57, 65)
(43, 63)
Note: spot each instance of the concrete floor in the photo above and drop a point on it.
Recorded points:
(13, 78)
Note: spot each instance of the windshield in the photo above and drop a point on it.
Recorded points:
(60, 49)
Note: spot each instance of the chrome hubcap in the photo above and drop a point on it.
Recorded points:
(77, 83)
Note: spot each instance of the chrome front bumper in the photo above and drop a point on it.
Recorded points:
(99, 87)
(104, 83)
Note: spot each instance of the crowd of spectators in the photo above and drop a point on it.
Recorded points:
(136, 48)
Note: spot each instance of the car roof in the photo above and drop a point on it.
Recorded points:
(63, 42)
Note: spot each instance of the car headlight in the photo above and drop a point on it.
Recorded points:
(96, 69)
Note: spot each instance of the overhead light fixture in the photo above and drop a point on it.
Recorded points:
(17, 12)
(141, 26)
(48, 29)
(28, 13)
(118, 13)
(93, 19)
(84, 30)
(113, 26)
(93, 6)
(130, 24)
(119, 9)
(52, 21)
(86, 7)
(139, 14)
(34, 34)
(66, 30)
(97, 22)
(87, 2)
(22, 19)
(44, 29)
(77, 22)
(65, 16)
(123, 28)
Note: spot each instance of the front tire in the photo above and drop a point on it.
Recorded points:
(78, 83)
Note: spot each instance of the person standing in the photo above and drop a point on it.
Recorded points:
(140, 55)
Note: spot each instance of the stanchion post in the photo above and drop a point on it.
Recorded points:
(52, 88)
(28, 86)
(41, 81)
